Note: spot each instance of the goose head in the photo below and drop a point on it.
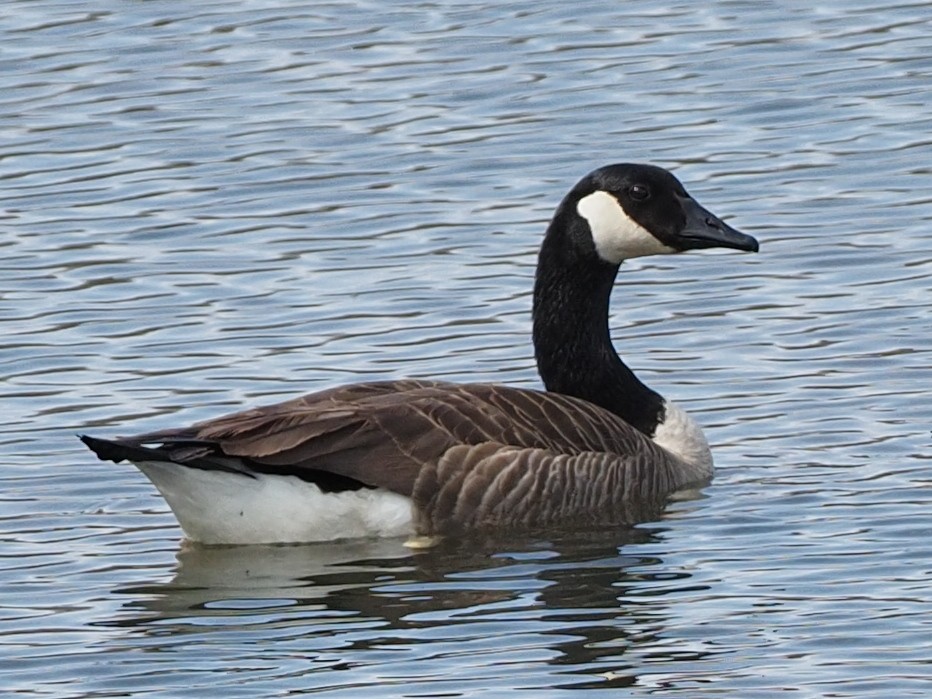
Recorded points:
(615, 213)
(629, 210)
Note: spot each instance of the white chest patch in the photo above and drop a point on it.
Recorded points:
(617, 236)
(680, 435)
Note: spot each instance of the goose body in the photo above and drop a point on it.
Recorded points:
(437, 458)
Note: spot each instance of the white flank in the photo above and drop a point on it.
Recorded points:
(617, 236)
(215, 507)
(680, 435)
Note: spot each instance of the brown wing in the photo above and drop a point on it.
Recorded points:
(493, 486)
(394, 434)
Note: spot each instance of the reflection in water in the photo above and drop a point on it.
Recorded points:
(577, 602)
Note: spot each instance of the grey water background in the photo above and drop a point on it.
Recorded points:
(208, 205)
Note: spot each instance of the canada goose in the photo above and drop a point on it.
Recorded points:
(405, 457)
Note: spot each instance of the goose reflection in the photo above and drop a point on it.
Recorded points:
(583, 599)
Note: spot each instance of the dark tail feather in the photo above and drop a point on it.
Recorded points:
(188, 453)
(116, 450)
(197, 454)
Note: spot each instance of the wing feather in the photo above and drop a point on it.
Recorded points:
(495, 485)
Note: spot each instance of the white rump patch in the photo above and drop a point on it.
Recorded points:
(215, 507)
(680, 435)
(617, 236)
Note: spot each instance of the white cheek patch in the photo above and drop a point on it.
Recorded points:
(616, 235)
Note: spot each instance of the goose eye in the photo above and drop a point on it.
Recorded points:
(639, 192)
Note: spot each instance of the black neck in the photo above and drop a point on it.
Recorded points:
(572, 344)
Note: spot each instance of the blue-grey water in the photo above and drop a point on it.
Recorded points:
(214, 204)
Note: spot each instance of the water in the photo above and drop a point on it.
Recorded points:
(217, 204)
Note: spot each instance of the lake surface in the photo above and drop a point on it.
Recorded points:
(207, 205)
